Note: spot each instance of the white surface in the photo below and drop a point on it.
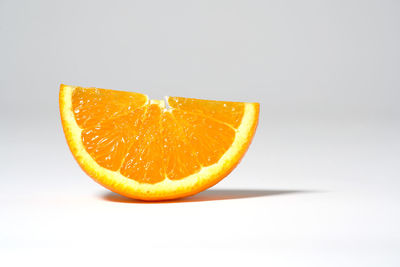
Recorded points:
(325, 72)
(315, 197)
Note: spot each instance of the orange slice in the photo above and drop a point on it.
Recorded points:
(155, 149)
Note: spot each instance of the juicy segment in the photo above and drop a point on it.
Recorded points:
(124, 132)
(230, 113)
(94, 105)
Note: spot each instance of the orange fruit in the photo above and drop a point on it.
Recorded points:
(155, 149)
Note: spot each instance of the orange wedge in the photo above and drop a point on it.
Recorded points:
(155, 149)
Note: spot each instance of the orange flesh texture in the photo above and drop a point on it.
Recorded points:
(123, 132)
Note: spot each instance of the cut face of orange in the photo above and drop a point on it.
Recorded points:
(155, 149)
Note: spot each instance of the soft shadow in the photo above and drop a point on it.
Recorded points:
(209, 195)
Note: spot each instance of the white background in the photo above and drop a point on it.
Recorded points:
(318, 187)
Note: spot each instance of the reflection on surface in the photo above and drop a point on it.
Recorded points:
(208, 195)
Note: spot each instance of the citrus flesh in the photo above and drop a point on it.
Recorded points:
(155, 149)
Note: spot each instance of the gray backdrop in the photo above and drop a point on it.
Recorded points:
(325, 72)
